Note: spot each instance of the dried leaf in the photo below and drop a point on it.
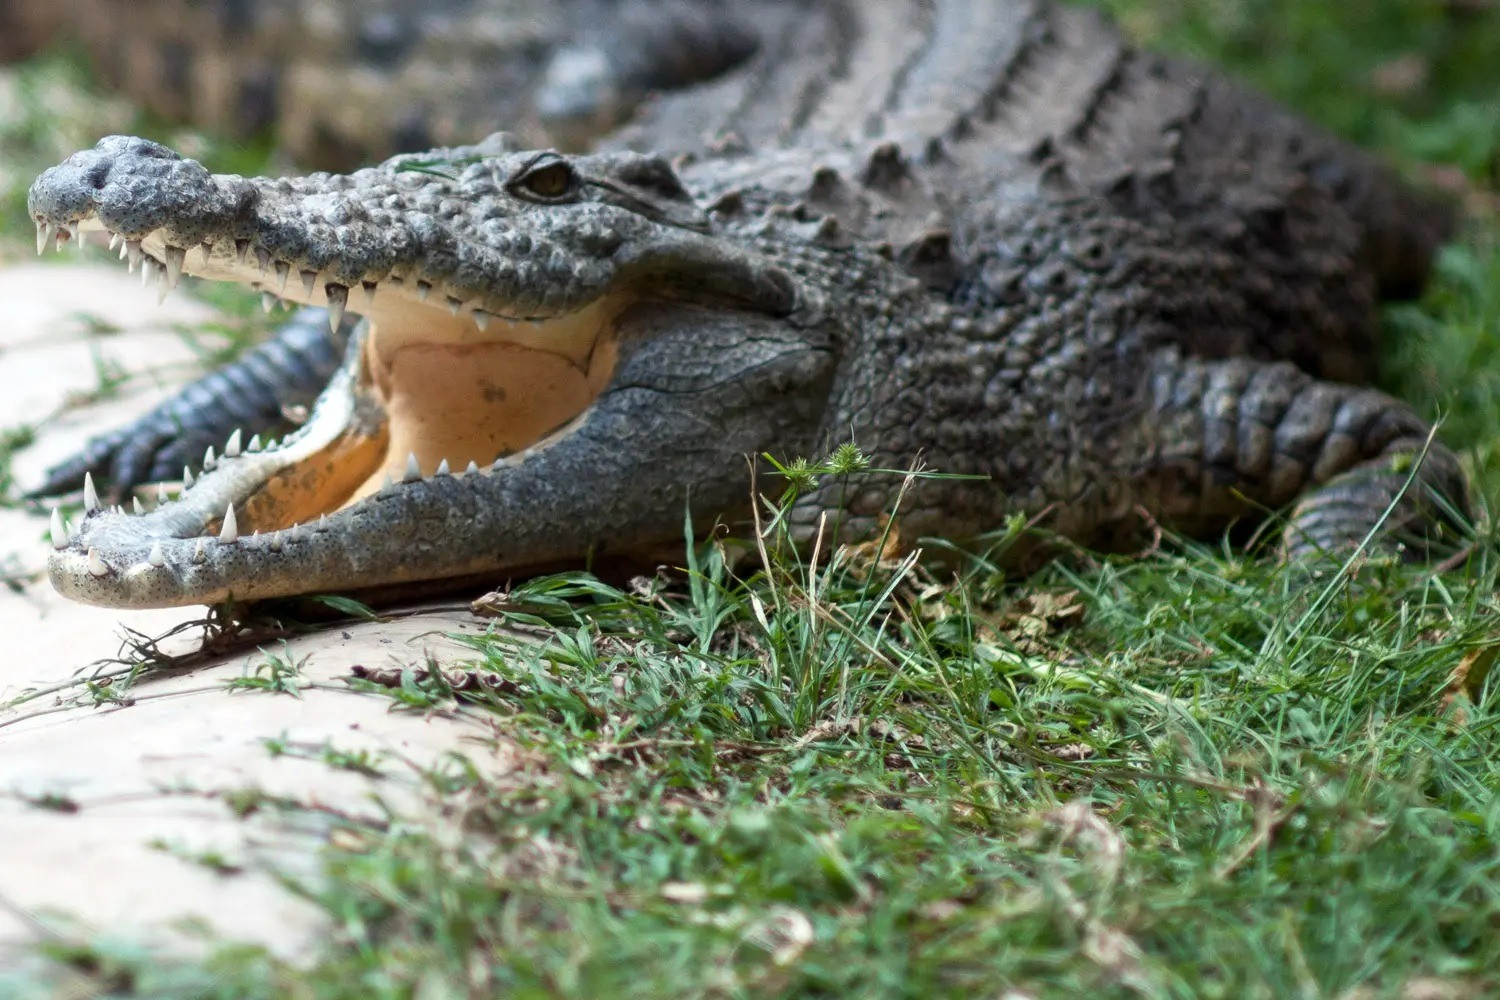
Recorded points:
(884, 552)
(1035, 617)
(785, 934)
(684, 892)
(1467, 679)
(1077, 825)
(1401, 76)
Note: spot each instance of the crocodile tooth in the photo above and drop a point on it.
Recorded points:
(267, 301)
(481, 319)
(454, 305)
(208, 251)
(283, 270)
(231, 529)
(200, 554)
(148, 270)
(59, 530)
(442, 469)
(273, 542)
(90, 494)
(176, 257)
(232, 446)
(262, 259)
(136, 255)
(187, 478)
(413, 470)
(161, 492)
(115, 239)
(96, 564)
(44, 233)
(294, 532)
(124, 249)
(309, 278)
(423, 287)
(471, 468)
(387, 483)
(208, 458)
(254, 444)
(338, 297)
(163, 286)
(157, 556)
(241, 249)
(135, 506)
(322, 522)
(369, 287)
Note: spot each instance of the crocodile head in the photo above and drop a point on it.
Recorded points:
(507, 293)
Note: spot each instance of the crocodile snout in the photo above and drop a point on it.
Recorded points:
(134, 187)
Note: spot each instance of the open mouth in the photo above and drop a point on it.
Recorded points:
(432, 386)
(440, 384)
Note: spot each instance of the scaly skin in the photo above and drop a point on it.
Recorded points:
(339, 83)
(1097, 283)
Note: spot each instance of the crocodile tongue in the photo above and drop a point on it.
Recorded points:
(457, 394)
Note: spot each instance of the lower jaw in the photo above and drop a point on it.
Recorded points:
(422, 410)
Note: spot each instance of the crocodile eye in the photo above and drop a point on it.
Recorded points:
(551, 180)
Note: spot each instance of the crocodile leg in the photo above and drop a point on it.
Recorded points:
(250, 395)
(1227, 437)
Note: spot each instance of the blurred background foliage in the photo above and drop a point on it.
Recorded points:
(1418, 78)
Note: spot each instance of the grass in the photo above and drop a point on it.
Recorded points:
(1175, 776)
(1188, 774)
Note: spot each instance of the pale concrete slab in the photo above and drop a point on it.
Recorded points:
(60, 326)
(105, 809)
(107, 812)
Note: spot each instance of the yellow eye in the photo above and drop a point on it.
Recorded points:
(550, 180)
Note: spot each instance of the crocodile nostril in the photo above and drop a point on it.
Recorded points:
(98, 175)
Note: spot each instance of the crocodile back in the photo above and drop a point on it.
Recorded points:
(940, 111)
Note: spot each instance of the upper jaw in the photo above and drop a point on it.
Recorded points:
(322, 239)
(454, 239)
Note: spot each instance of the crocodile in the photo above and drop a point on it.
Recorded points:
(1105, 288)
(338, 83)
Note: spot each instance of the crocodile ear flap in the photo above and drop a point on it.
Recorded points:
(645, 184)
